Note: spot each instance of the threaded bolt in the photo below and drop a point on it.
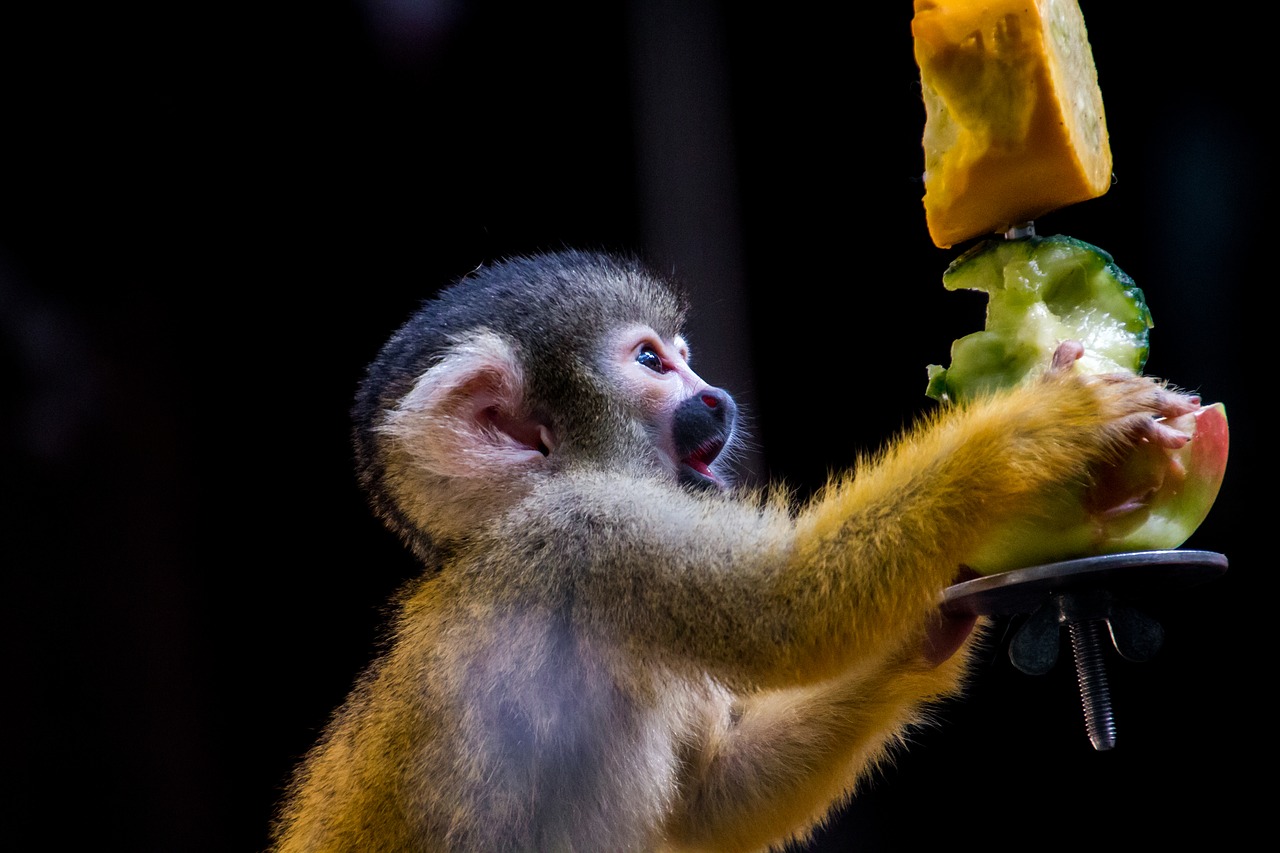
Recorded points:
(1091, 675)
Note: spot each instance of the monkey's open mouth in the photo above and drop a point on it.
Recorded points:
(695, 468)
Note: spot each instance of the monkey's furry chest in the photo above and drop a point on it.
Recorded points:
(537, 730)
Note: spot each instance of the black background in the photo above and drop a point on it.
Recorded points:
(213, 215)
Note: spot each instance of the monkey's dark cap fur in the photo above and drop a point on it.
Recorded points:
(552, 306)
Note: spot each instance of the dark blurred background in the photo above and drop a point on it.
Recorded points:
(211, 216)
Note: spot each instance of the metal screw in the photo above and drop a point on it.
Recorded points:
(1090, 614)
(1091, 674)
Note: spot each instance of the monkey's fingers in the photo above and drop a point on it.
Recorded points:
(1175, 403)
(1066, 355)
(1168, 403)
(1160, 433)
(1159, 404)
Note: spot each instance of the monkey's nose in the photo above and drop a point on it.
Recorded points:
(723, 408)
(707, 415)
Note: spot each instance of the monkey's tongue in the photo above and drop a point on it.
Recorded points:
(700, 459)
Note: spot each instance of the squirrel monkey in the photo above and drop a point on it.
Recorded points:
(613, 648)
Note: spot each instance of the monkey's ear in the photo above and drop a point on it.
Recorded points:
(467, 415)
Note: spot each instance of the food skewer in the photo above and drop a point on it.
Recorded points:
(1015, 129)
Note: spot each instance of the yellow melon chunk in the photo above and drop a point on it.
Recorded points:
(1014, 124)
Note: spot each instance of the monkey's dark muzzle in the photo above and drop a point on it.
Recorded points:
(701, 428)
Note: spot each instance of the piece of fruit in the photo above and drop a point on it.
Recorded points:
(1014, 121)
(1042, 291)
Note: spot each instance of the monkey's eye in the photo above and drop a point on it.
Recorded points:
(649, 358)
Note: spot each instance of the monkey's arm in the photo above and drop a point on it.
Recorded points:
(772, 769)
(763, 599)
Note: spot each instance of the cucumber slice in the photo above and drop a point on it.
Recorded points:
(1042, 291)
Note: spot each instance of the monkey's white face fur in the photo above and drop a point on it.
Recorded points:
(653, 373)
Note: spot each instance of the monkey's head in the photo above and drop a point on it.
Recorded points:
(522, 371)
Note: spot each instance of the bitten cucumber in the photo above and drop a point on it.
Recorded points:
(1042, 291)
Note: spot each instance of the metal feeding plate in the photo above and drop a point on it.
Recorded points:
(1023, 590)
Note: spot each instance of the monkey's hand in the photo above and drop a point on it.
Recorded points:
(1138, 405)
